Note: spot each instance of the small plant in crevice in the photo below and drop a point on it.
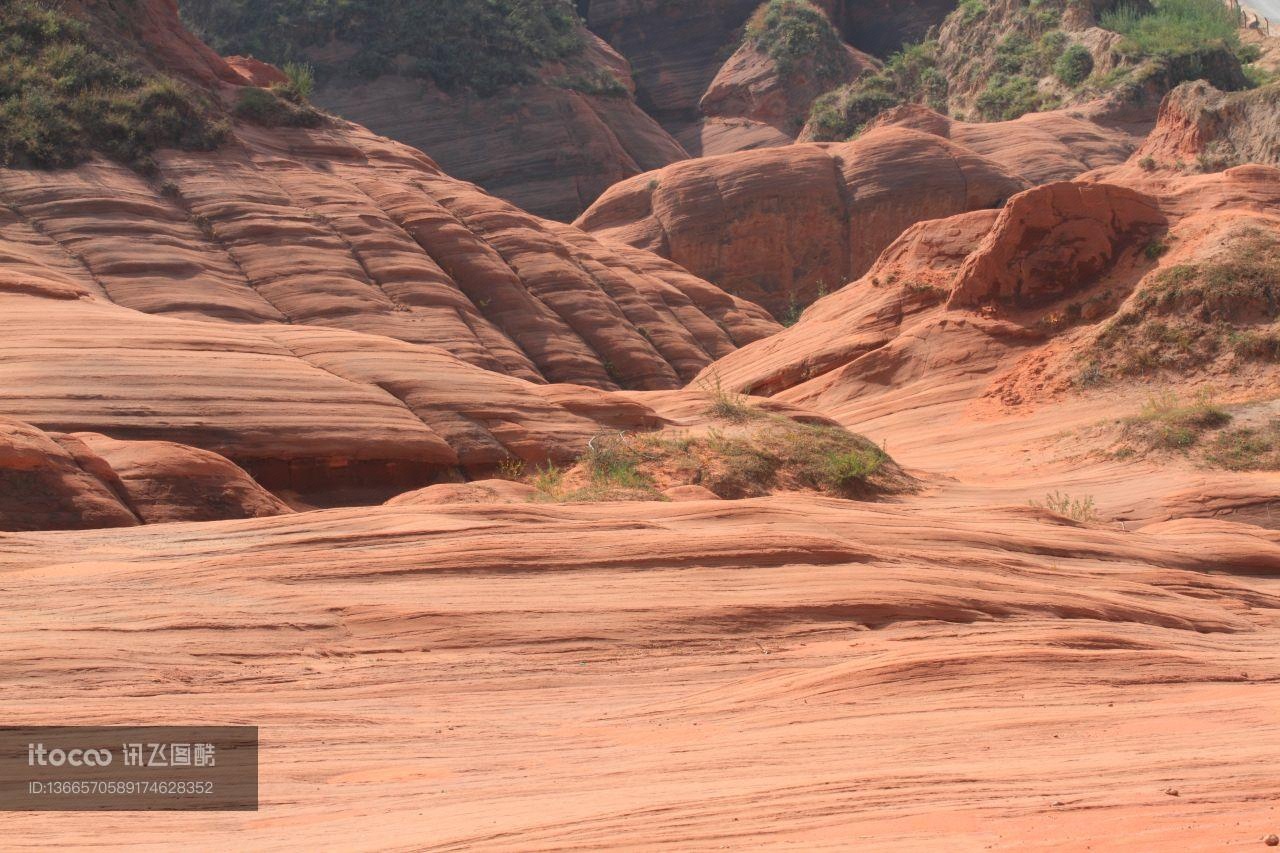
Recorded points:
(725, 404)
(1081, 509)
(511, 468)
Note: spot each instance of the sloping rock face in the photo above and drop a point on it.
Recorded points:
(45, 485)
(328, 310)
(1054, 241)
(550, 147)
(54, 481)
(166, 482)
(329, 414)
(768, 86)
(1042, 147)
(1200, 125)
(1005, 305)
(677, 51)
(339, 228)
(674, 51)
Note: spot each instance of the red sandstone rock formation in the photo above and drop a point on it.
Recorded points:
(754, 104)
(1054, 241)
(52, 481)
(1204, 128)
(546, 146)
(781, 227)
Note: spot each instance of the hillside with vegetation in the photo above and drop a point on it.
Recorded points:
(996, 60)
(67, 92)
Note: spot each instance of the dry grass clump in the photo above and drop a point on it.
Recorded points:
(1167, 423)
(1247, 448)
(1080, 509)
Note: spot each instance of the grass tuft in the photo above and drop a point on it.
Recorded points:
(1080, 509)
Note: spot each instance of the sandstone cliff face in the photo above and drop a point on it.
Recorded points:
(551, 147)
(675, 51)
(780, 227)
(715, 105)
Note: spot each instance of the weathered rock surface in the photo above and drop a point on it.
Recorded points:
(46, 485)
(1042, 147)
(675, 53)
(670, 667)
(326, 413)
(1201, 126)
(780, 226)
(678, 50)
(1054, 241)
(340, 228)
(166, 482)
(54, 481)
(546, 146)
(750, 86)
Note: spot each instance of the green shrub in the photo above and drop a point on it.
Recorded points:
(1008, 97)
(1166, 423)
(1247, 448)
(600, 82)
(796, 31)
(1074, 66)
(64, 94)
(971, 10)
(302, 81)
(268, 108)
(910, 76)
(478, 45)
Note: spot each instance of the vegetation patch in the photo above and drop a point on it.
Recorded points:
(478, 45)
(275, 107)
(910, 76)
(1187, 316)
(66, 93)
(751, 458)
(794, 33)
(1074, 65)
(1246, 448)
(598, 82)
(1172, 27)
(1167, 423)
